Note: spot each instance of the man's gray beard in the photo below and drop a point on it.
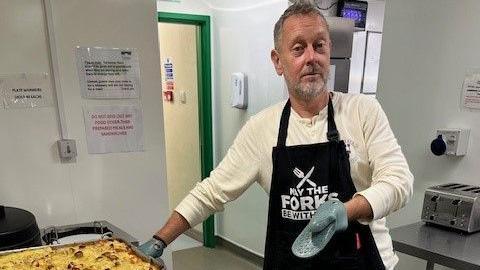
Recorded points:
(310, 91)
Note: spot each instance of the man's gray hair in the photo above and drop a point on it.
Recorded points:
(299, 7)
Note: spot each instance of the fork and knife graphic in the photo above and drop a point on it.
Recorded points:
(305, 177)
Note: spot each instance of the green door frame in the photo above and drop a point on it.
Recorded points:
(204, 100)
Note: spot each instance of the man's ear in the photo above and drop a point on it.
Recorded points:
(274, 55)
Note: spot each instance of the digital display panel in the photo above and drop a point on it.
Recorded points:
(356, 11)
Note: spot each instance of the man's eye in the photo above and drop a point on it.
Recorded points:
(297, 48)
(320, 46)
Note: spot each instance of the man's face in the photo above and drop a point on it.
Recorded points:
(303, 55)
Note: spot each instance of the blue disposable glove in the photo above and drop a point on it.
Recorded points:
(153, 248)
(331, 217)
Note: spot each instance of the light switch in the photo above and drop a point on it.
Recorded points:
(183, 97)
(67, 149)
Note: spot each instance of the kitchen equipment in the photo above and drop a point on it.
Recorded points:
(18, 229)
(84, 232)
(341, 35)
(453, 205)
(356, 11)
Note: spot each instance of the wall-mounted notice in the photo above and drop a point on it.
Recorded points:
(168, 69)
(168, 75)
(169, 80)
(112, 129)
(108, 72)
(471, 90)
(26, 90)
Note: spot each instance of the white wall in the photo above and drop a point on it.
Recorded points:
(127, 189)
(424, 59)
(197, 7)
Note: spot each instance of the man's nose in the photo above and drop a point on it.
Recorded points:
(310, 54)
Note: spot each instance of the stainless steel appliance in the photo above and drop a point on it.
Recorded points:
(341, 34)
(453, 205)
(85, 232)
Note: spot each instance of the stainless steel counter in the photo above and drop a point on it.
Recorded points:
(437, 245)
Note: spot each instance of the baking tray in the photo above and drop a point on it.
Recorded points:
(157, 262)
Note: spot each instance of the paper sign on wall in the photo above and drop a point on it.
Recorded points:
(471, 90)
(168, 69)
(113, 129)
(108, 72)
(26, 90)
(169, 80)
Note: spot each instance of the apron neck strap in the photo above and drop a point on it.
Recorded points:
(332, 134)
(282, 132)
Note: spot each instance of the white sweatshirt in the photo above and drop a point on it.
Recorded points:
(378, 167)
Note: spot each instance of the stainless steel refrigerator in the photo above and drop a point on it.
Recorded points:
(341, 34)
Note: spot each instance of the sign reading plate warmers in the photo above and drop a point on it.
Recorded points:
(112, 129)
(108, 72)
(26, 90)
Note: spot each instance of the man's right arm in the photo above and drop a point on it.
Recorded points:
(175, 226)
(237, 171)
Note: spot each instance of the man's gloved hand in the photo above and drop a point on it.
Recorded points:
(327, 213)
(331, 217)
(154, 247)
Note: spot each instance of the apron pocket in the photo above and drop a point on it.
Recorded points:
(281, 255)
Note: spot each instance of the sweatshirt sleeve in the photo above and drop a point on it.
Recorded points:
(392, 181)
(235, 173)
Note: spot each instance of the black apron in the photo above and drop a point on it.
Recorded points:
(305, 176)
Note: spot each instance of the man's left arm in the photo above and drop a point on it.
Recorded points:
(392, 182)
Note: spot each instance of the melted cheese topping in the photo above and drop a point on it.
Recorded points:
(101, 255)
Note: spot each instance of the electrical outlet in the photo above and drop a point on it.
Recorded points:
(456, 140)
(67, 149)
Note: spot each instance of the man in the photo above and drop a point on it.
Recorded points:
(320, 150)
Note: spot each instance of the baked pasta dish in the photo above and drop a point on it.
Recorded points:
(101, 255)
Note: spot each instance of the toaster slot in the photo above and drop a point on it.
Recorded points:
(449, 185)
(472, 189)
(459, 187)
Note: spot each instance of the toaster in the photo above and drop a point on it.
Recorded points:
(453, 205)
